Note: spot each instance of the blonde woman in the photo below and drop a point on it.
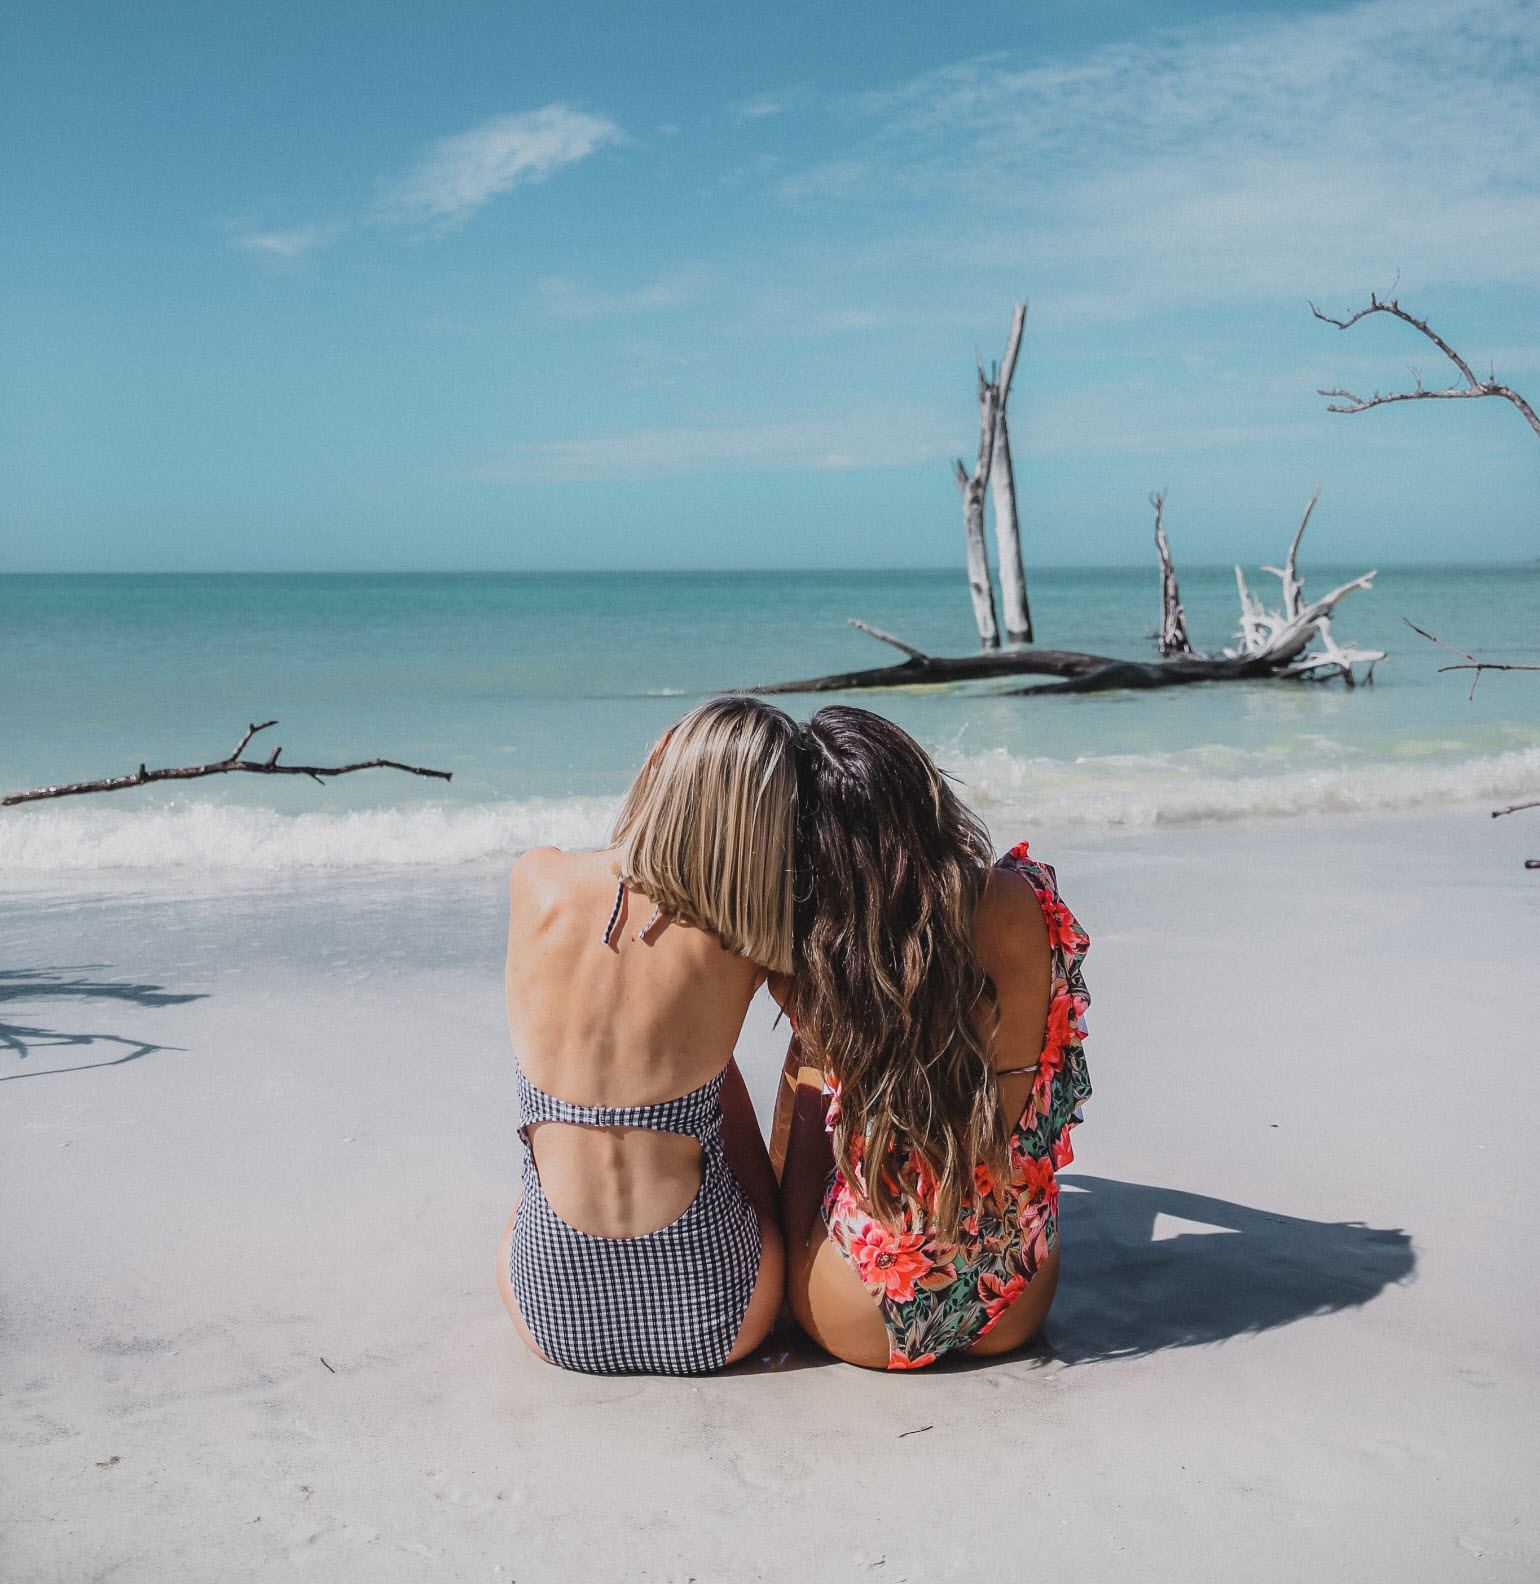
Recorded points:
(646, 1237)
(937, 1068)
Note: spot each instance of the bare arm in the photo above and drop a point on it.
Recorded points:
(744, 1145)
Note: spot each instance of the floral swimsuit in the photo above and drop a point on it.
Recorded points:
(937, 1296)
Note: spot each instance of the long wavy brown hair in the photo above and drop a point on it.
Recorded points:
(888, 989)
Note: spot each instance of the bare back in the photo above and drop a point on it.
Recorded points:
(632, 1022)
(1010, 936)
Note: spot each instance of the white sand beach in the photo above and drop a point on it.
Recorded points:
(258, 1146)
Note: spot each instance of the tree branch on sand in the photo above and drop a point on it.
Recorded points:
(1342, 401)
(1271, 644)
(268, 766)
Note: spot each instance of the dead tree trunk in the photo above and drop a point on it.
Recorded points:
(972, 485)
(1013, 576)
(1173, 619)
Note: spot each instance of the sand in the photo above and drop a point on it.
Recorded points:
(260, 1144)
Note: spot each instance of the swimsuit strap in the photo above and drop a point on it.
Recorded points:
(698, 1114)
(620, 897)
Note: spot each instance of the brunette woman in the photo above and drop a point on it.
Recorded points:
(937, 1066)
(646, 1237)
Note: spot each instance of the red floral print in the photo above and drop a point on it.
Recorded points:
(999, 1295)
(891, 1260)
(936, 1297)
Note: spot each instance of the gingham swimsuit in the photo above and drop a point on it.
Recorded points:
(669, 1302)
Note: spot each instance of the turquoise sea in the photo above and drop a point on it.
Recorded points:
(541, 692)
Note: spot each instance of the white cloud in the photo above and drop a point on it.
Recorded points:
(761, 106)
(459, 175)
(287, 245)
(873, 439)
(569, 300)
(1269, 157)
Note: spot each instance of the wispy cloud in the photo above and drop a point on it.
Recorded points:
(287, 245)
(567, 299)
(455, 177)
(1263, 157)
(761, 106)
(461, 174)
(893, 438)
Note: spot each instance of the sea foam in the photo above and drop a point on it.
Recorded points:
(1011, 792)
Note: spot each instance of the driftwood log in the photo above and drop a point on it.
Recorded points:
(1342, 401)
(1271, 644)
(268, 766)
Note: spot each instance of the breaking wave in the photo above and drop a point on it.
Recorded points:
(1111, 791)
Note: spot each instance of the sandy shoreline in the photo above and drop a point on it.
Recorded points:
(1319, 1034)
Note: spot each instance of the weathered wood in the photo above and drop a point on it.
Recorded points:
(1002, 483)
(268, 766)
(936, 669)
(887, 638)
(972, 486)
(1472, 387)
(1283, 637)
(1273, 644)
(1173, 638)
(1176, 672)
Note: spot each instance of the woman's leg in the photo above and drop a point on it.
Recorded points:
(826, 1295)
(744, 1148)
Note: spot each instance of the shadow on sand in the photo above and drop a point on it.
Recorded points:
(1147, 1269)
(23, 1041)
(1135, 1281)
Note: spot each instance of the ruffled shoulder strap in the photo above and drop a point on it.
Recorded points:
(1063, 1080)
(1069, 941)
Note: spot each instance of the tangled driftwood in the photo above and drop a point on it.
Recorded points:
(268, 766)
(1271, 643)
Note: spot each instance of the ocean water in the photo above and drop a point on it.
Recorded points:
(542, 692)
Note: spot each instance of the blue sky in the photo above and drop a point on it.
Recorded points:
(384, 286)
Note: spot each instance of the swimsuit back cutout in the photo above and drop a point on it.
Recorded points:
(669, 1302)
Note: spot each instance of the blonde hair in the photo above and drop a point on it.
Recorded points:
(707, 829)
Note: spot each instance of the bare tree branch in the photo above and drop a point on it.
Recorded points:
(887, 638)
(268, 766)
(1513, 808)
(1478, 666)
(1472, 387)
